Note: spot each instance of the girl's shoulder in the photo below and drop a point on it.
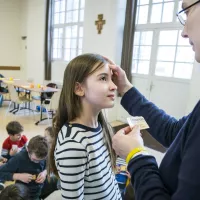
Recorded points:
(79, 133)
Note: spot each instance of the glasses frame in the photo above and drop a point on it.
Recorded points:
(182, 21)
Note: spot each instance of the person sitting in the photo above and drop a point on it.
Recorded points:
(28, 166)
(52, 183)
(15, 142)
(15, 192)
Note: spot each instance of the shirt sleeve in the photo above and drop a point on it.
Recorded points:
(163, 127)
(5, 150)
(71, 161)
(25, 140)
(145, 174)
(8, 169)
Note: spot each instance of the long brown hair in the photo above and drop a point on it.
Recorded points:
(70, 105)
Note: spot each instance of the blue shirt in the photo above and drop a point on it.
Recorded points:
(21, 163)
(178, 177)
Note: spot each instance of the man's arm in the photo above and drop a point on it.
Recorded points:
(163, 127)
(147, 180)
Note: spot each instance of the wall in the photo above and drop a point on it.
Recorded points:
(108, 43)
(35, 40)
(194, 88)
(10, 42)
(27, 18)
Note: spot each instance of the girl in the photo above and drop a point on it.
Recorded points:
(84, 158)
(49, 135)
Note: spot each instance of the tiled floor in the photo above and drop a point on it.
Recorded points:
(30, 129)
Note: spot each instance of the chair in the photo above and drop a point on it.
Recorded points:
(53, 105)
(46, 95)
(16, 99)
(4, 90)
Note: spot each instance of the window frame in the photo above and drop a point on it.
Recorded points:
(63, 26)
(156, 28)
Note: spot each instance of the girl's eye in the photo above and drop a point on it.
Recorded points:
(103, 78)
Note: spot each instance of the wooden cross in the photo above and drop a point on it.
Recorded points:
(99, 23)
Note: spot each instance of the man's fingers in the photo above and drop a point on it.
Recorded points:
(135, 130)
(127, 130)
(115, 68)
(110, 61)
(131, 130)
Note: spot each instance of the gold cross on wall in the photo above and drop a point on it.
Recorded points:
(99, 23)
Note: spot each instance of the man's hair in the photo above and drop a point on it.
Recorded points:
(14, 127)
(16, 191)
(39, 146)
(50, 131)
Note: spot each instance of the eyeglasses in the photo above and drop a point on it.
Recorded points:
(181, 14)
(35, 160)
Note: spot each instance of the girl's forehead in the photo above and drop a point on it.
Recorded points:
(104, 68)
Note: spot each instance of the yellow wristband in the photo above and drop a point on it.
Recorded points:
(133, 152)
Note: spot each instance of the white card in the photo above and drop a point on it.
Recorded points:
(140, 121)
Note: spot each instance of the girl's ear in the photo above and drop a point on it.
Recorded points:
(79, 90)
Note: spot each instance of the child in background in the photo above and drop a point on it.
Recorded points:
(53, 186)
(15, 142)
(83, 157)
(49, 135)
(15, 192)
(28, 167)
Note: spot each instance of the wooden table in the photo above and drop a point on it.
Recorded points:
(28, 88)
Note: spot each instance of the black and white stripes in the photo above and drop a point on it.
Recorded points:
(83, 163)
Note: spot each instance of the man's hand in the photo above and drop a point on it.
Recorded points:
(2, 161)
(13, 152)
(125, 140)
(41, 177)
(119, 78)
(24, 177)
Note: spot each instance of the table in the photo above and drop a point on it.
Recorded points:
(27, 87)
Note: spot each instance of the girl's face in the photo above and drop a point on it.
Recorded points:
(99, 89)
(48, 137)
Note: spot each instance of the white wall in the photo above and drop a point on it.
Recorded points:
(27, 18)
(194, 95)
(35, 39)
(10, 36)
(108, 43)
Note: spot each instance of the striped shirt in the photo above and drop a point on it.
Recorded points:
(83, 164)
